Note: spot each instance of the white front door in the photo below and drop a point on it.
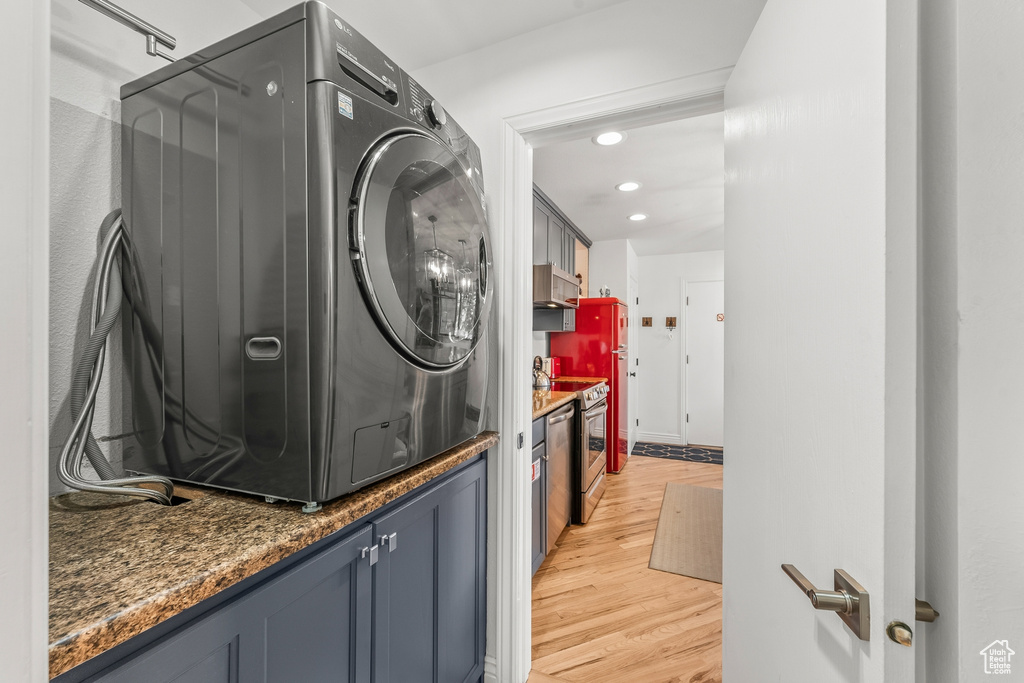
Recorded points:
(820, 406)
(705, 362)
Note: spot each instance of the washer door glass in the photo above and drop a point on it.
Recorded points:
(421, 237)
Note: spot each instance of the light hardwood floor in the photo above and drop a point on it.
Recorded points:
(599, 613)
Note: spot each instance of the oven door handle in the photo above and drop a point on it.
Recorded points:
(595, 412)
(563, 417)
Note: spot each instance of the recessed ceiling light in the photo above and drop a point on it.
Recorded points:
(611, 138)
(638, 217)
(627, 187)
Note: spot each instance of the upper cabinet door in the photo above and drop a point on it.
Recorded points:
(821, 343)
(540, 233)
(556, 239)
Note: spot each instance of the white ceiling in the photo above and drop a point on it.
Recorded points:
(419, 33)
(680, 166)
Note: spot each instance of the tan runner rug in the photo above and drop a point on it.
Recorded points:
(688, 540)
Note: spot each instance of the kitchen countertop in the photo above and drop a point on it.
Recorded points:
(545, 400)
(119, 565)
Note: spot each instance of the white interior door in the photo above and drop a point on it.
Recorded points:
(634, 348)
(820, 242)
(705, 363)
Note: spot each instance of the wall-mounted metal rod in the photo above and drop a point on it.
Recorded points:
(152, 33)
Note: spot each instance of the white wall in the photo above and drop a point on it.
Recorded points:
(661, 375)
(972, 320)
(989, 165)
(24, 118)
(92, 56)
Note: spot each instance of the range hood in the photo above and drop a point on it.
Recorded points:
(554, 288)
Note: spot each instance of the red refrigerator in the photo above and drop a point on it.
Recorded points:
(598, 348)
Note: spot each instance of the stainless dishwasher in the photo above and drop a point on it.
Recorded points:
(559, 458)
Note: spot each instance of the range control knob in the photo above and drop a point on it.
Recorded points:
(435, 114)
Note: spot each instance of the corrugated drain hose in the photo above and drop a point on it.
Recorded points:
(106, 305)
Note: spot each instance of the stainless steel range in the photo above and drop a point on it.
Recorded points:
(591, 457)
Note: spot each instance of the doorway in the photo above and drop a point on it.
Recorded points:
(689, 97)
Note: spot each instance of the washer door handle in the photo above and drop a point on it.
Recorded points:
(263, 348)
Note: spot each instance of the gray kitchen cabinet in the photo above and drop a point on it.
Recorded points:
(353, 608)
(556, 243)
(429, 586)
(554, 235)
(287, 629)
(541, 218)
(539, 498)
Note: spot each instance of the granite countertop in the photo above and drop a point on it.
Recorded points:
(119, 566)
(545, 400)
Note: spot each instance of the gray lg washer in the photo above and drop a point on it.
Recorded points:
(312, 283)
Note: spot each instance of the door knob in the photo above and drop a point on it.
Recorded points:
(632, 374)
(849, 599)
(900, 633)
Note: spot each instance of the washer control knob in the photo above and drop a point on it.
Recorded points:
(435, 114)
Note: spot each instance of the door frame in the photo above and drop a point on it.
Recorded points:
(24, 363)
(508, 578)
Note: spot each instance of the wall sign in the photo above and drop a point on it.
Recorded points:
(721, 317)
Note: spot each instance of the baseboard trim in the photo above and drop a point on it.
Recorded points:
(655, 437)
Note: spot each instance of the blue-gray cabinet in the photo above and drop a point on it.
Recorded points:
(397, 597)
(429, 591)
(312, 619)
(539, 494)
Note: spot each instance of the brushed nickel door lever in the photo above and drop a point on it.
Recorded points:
(849, 599)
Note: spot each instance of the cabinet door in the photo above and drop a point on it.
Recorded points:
(538, 492)
(210, 651)
(315, 620)
(428, 594)
(540, 233)
(312, 622)
(462, 572)
(556, 242)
